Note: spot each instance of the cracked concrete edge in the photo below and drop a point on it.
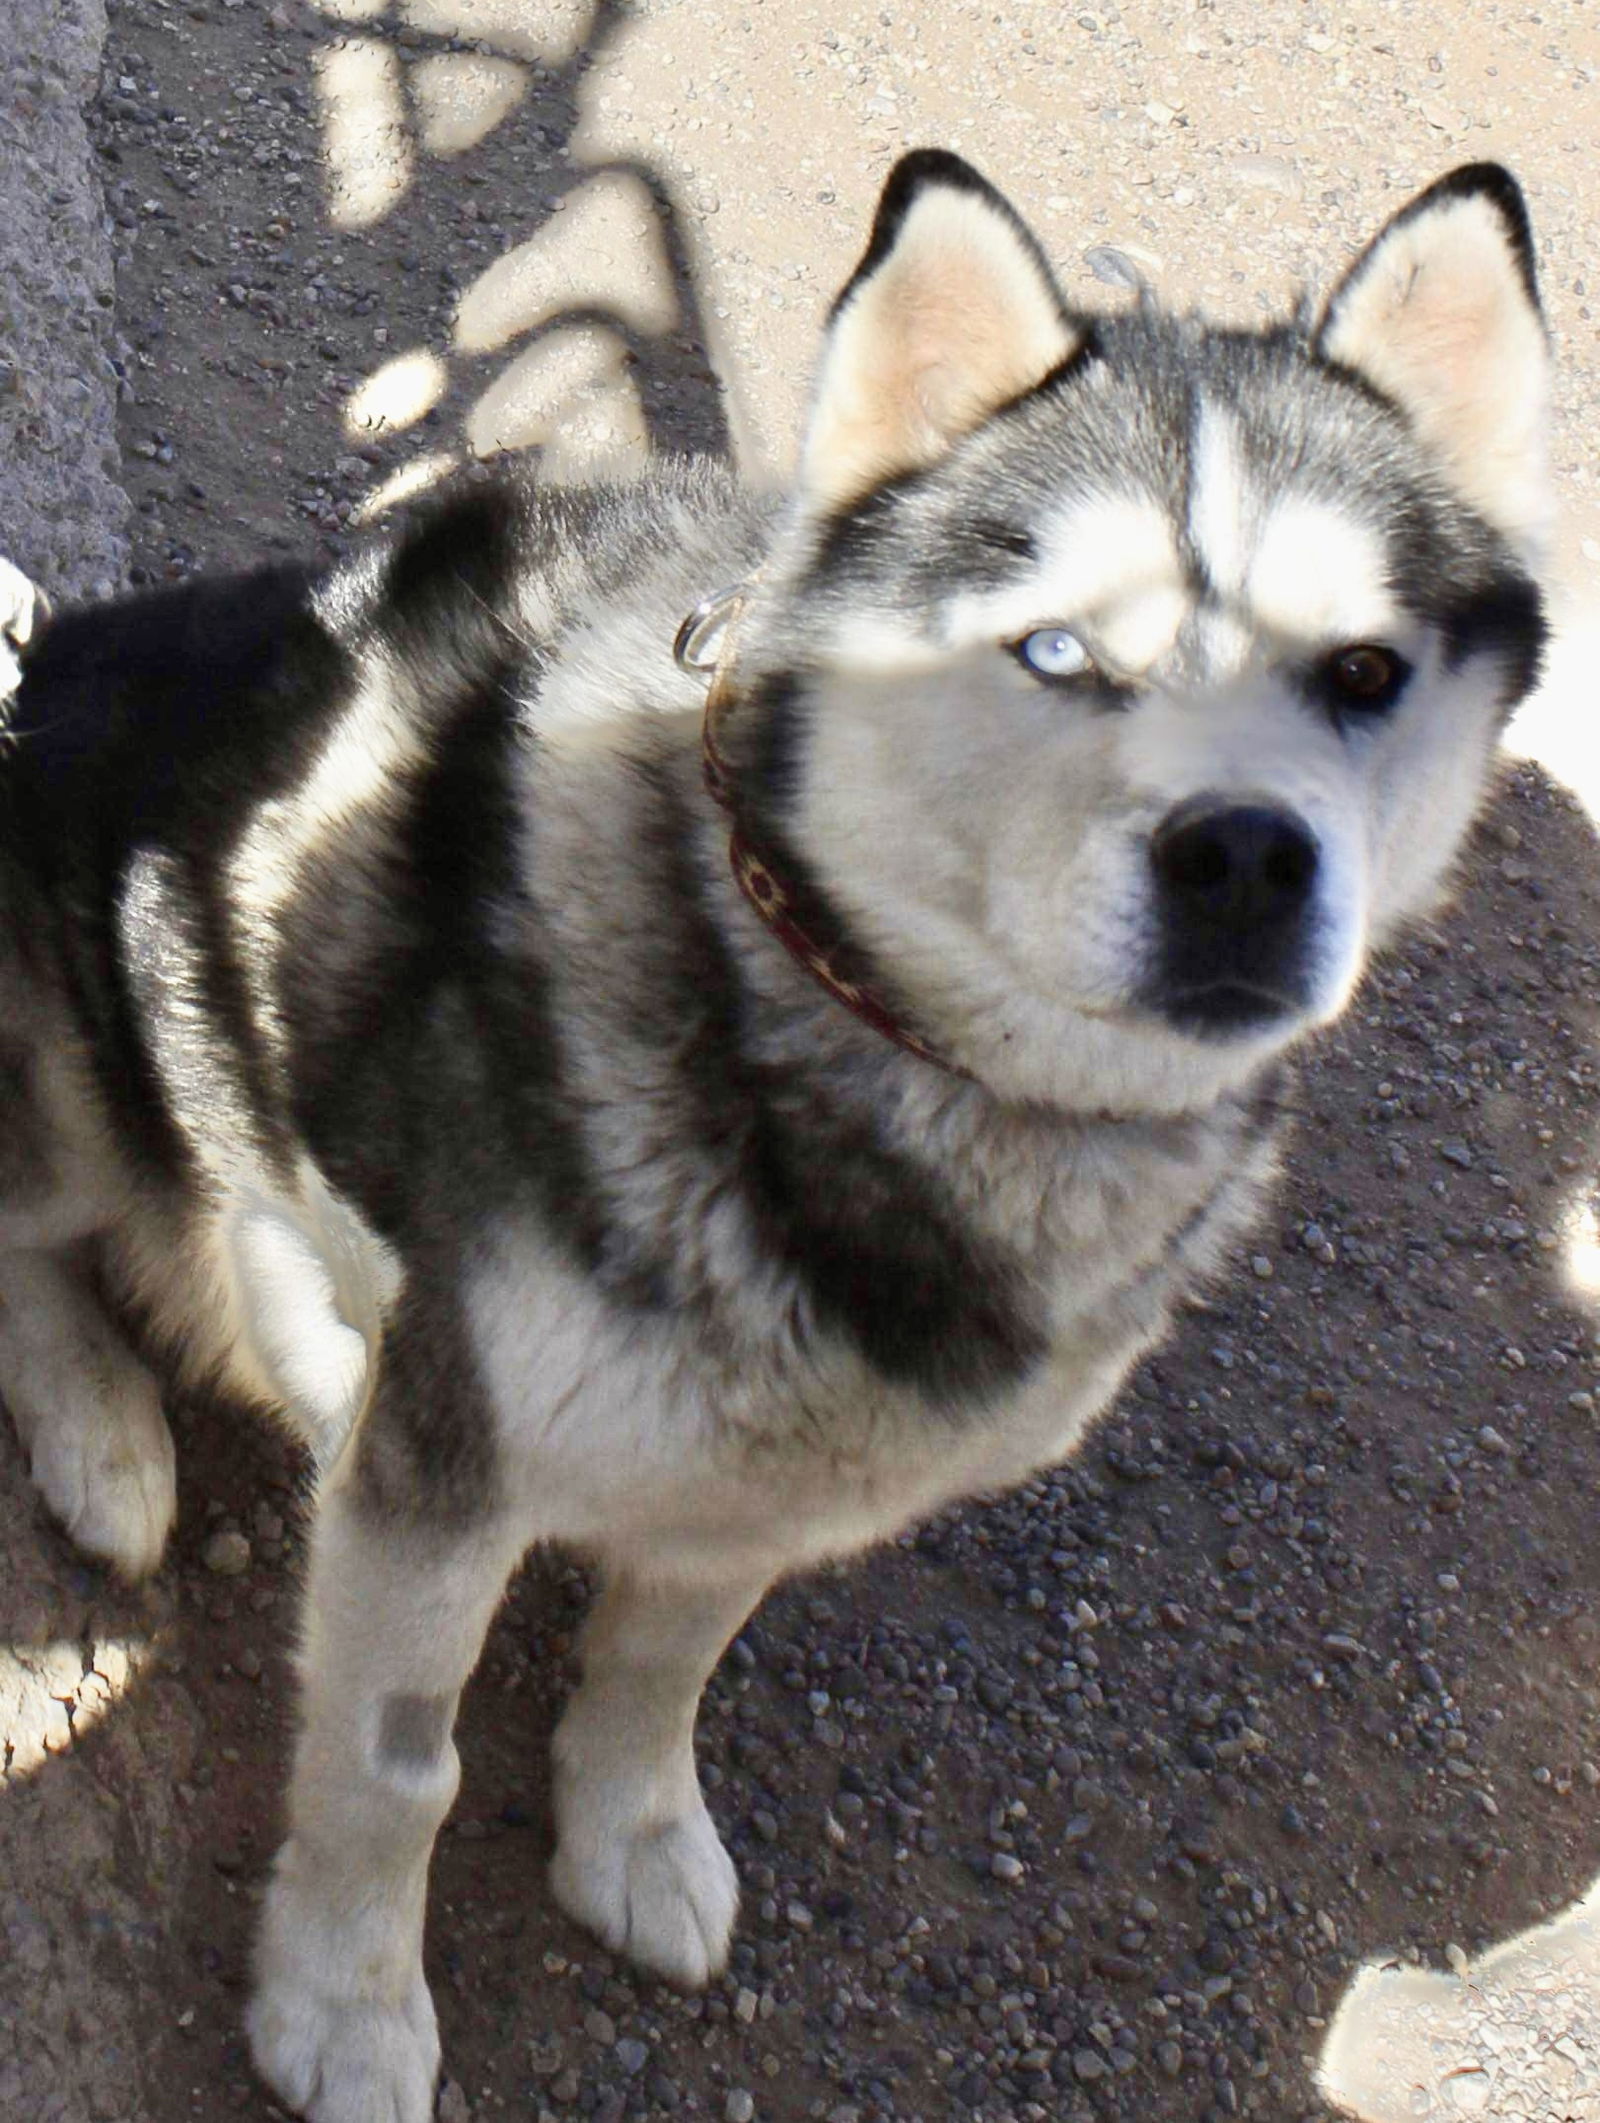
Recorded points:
(62, 509)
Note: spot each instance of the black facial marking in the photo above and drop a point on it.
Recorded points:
(1005, 538)
(849, 540)
(1503, 618)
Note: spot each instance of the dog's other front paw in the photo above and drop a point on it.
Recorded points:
(110, 1477)
(341, 2059)
(665, 1893)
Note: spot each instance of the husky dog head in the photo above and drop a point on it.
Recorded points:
(1120, 682)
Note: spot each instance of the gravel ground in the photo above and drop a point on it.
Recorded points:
(58, 456)
(1086, 1803)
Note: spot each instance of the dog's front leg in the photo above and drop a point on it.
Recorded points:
(342, 2026)
(637, 1858)
(88, 1414)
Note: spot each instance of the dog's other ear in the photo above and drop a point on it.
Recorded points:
(1441, 314)
(952, 312)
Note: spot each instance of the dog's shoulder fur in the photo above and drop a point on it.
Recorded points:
(432, 913)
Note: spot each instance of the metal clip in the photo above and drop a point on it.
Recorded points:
(695, 647)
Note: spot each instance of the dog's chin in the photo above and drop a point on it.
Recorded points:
(1223, 1010)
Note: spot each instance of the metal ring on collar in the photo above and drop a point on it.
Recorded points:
(694, 647)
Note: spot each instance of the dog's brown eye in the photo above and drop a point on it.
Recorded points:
(1366, 676)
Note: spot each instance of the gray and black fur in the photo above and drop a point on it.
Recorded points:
(385, 1029)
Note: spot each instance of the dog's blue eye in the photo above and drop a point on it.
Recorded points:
(1054, 653)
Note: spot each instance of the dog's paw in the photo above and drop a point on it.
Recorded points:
(665, 1893)
(110, 1476)
(344, 2060)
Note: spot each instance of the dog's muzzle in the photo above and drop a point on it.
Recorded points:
(1235, 890)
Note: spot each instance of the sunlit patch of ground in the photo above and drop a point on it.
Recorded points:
(51, 1693)
(405, 485)
(365, 138)
(1513, 2037)
(397, 395)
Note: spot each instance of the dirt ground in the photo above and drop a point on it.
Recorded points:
(1081, 1804)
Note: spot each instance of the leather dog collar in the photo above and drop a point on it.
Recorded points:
(705, 644)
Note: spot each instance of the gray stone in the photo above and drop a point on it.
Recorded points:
(227, 1555)
(63, 509)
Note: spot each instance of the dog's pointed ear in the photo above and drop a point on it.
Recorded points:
(952, 312)
(1441, 315)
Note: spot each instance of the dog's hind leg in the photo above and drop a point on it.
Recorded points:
(87, 1412)
(342, 2026)
(637, 1858)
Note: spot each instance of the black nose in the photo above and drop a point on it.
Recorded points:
(1234, 866)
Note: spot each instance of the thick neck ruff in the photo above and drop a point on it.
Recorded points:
(705, 644)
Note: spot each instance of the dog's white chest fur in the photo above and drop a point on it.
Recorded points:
(742, 1437)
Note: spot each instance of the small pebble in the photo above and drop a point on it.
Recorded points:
(226, 1554)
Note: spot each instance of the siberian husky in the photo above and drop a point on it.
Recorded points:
(715, 1132)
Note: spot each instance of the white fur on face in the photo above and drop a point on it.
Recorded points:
(1319, 579)
(1222, 512)
(1108, 571)
(1038, 806)
(1289, 567)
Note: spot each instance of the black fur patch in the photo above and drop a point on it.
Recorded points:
(884, 1263)
(1504, 618)
(413, 1730)
(451, 584)
(880, 1255)
(427, 1448)
(154, 723)
(407, 1009)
